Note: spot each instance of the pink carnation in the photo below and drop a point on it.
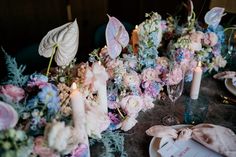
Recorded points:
(150, 74)
(112, 64)
(210, 39)
(12, 93)
(196, 39)
(131, 79)
(147, 102)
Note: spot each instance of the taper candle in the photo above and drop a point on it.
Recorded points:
(134, 39)
(196, 82)
(79, 117)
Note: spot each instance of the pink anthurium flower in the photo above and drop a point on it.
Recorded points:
(116, 37)
(8, 116)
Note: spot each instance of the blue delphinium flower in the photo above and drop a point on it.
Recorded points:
(53, 107)
(48, 94)
(134, 90)
(179, 56)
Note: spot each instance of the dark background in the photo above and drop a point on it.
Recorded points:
(23, 23)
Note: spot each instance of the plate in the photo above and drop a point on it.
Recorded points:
(230, 87)
(157, 142)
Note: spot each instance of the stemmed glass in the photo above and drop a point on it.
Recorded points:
(174, 91)
(231, 44)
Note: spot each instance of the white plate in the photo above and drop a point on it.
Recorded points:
(156, 142)
(230, 87)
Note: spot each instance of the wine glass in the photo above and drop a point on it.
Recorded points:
(231, 45)
(174, 90)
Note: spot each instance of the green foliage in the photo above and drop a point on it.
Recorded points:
(15, 143)
(15, 73)
(113, 143)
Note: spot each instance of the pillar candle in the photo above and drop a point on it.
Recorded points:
(196, 82)
(135, 39)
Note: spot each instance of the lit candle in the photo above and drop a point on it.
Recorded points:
(195, 87)
(77, 105)
(79, 117)
(135, 39)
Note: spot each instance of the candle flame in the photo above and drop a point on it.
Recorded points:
(136, 27)
(73, 86)
(199, 64)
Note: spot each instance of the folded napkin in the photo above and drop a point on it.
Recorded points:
(214, 137)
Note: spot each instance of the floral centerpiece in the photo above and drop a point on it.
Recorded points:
(60, 112)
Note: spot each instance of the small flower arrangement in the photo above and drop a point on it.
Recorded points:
(137, 79)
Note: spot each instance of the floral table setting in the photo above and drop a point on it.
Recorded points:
(132, 91)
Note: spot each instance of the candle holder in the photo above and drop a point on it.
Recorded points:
(195, 110)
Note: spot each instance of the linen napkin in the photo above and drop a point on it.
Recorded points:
(217, 138)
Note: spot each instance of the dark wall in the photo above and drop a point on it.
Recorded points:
(23, 23)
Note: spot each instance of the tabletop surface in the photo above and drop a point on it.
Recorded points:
(136, 140)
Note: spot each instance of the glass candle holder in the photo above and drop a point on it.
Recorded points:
(195, 110)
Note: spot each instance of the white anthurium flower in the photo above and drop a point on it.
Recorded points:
(213, 17)
(62, 42)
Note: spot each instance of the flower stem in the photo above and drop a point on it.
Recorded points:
(50, 62)
(120, 113)
(233, 28)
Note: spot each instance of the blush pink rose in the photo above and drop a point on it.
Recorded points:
(210, 39)
(12, 93)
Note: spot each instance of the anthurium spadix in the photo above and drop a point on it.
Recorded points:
(61, 42)
(116, 37)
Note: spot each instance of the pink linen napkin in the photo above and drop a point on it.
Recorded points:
(214, 137)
